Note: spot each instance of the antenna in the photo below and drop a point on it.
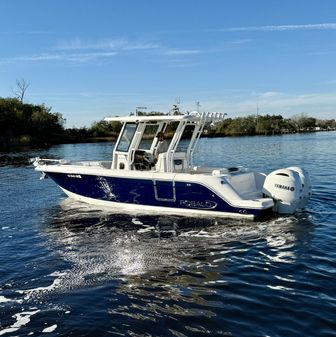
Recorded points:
(139, 108)
(257, 115)
(198, 105)
(175, 110)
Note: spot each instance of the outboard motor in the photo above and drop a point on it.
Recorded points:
(306, 184)
(290, 188)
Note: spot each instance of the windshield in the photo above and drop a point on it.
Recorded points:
(186, 138)
(126, 137)
(148, 136)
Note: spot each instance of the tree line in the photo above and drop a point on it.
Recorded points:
(35, 124)
(240, 126)
(25, 123)
(269, 125)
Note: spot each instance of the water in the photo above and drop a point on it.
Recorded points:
(67, 269)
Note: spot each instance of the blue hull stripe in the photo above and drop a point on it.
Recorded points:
(148, 192)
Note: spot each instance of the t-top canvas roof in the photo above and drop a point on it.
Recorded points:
(192, 116)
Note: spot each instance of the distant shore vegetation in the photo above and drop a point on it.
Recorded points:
(30, 124)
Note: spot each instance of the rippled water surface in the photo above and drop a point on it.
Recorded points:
(67, 269)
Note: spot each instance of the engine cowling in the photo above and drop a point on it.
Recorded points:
(306, 184)
(290, 188)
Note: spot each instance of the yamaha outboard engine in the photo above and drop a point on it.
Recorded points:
(290, 188)
(306, 184)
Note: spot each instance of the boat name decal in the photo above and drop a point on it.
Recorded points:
(207, 204)
(78, 176)
(284, 187)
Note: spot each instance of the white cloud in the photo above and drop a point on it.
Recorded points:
(322, 105)
(78, 50)
(270, 94)
(282, 28)
(82, 108)
(240, 42)
(181, 52)
(122, 45)
(27, 32)
(74, 57)
(117, 44)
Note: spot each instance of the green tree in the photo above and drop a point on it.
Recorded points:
(103, 128)
(22, 119)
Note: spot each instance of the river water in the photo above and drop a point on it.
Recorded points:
(67, 269)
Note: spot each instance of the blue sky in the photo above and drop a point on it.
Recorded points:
(92, 59)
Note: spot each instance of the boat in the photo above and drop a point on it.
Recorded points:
(150, 172)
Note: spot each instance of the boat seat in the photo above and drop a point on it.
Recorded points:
(142, 161)
(161, 162)
(245, 185)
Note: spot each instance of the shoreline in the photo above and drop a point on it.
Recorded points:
(15, 145)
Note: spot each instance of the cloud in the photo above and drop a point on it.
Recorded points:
(73, 57)
(117, 44)
(79, 50)
(27, 32)
(315, 104)
(270, 94)
(121, 45)
(240, 42)
(282, 28)
(181, 52)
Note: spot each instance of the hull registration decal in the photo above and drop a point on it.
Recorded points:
(77, 176)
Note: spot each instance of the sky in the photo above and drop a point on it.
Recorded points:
(92, 59)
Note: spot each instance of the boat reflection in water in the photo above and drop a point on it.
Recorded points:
(184, 270)
(101, 245)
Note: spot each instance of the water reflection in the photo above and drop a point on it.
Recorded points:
(148, 268)
(102, 245)
(182, 270)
